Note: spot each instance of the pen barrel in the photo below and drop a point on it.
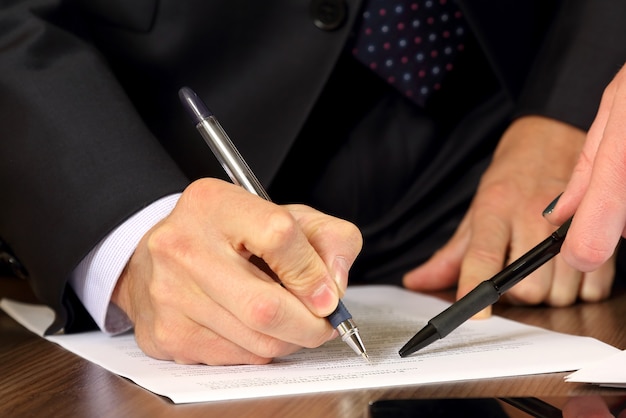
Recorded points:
(529, 262)
(469, 305)
(532, 260)
(240, 173)
(339, 315)
(228, 156)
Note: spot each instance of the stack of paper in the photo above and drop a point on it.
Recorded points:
(610, 372)
(387, 317)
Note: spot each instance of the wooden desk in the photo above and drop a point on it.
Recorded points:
(38, 378)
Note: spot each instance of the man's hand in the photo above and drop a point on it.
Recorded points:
(530, 167)
(194, 295)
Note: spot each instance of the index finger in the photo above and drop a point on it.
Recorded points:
(600, 218)
(273, 234)
(338, 242)
(485, 254)
(578, 183)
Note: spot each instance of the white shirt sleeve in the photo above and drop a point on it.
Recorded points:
(95, 277)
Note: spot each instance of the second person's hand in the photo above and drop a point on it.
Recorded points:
(595, 192)
(530, 167)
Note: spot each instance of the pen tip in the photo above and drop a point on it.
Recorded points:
(424, 337)
(366, 357)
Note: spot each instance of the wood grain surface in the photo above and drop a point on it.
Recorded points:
(38, 378)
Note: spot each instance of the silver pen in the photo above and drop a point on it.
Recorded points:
(241, 174)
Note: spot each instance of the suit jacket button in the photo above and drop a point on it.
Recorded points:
(9, 265)
(328, 14)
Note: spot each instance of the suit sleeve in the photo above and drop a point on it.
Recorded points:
(76, 159)
(584, 49)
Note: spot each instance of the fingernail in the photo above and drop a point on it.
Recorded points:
(548, 210)
(340, 270)
(324, 298)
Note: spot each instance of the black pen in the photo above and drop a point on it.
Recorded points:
(486, 293)
(241, 174)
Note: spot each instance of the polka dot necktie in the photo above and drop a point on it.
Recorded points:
(410, 43)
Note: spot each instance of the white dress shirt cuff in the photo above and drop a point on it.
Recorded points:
(96, 276)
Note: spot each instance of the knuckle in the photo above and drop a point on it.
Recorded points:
(265, 313)
(303, 278)
(484, 256)
(529, 293)
(205, 189)
(165, 241)
(562, 299)
(281, 228)
(594, 294)
(347, 232)
(357, 237)
(163, 341)
(493, 193)
(160, 293)
(155, 341)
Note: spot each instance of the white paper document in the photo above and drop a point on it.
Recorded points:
(386, 316)
(609, 371)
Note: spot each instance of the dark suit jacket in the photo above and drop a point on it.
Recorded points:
(92, 130)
